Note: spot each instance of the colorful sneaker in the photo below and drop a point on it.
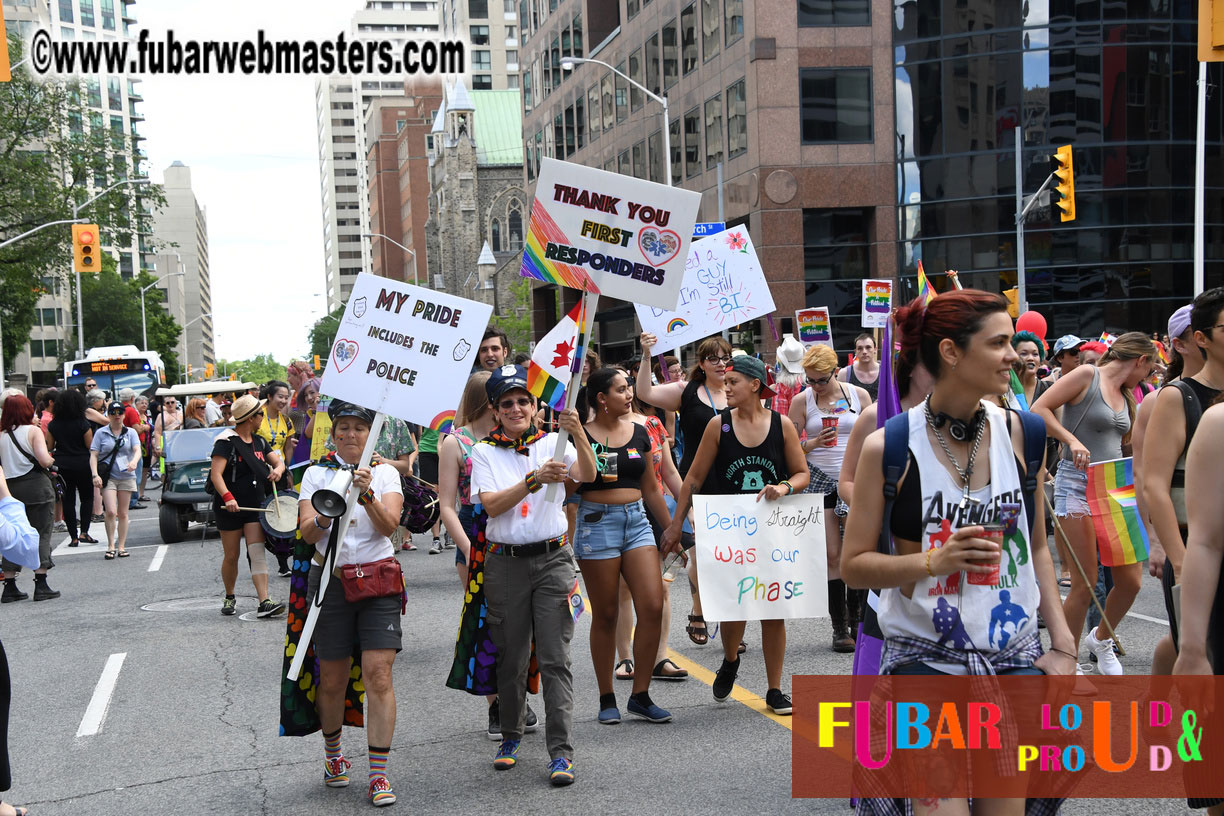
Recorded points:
(229, 606)
(268, 608)
(1107, 662)
(381, 794)
(507, 755)
(335, 772)
(778, 702)
(561, 772)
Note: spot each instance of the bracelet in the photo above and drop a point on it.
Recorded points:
(790, 488)
(227, 496)
(928, 562)
(320, 526)
(366, 497)
(1060, 651)
(533, 483)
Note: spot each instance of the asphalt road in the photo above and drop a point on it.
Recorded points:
(191, 724)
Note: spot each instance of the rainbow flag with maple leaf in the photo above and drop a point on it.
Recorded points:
(556, 358)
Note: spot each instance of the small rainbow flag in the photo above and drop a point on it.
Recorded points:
(1017, 389)
(1121, 536)
(557, 356)
(925, 290)
(1107, 338)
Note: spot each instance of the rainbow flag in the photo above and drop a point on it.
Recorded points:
(557, 357)
(540, 232)
(925, 290)
(1107, 338)
(1017, 389)
(1121, 536)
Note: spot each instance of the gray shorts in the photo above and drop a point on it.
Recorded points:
(344, 627)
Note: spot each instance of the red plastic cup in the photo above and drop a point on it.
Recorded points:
(993, 532)
(829, 422)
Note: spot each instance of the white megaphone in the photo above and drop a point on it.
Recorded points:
(331, 501)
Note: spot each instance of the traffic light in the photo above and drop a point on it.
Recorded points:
(1013, 301)
(85, 248)
(316, 363)
(208, 371)
(1066, 182)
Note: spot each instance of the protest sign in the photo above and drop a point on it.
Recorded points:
(609, 234)
(877, 303)
(761, 560)
(405, 351)
(723, 287)
(814, 326)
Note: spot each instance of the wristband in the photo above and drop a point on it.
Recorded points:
(928, 562)
(533, 484)
(366, 497)
(320, 526)
(227, 496)
(790, 488)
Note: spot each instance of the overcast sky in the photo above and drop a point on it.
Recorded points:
(253, 154)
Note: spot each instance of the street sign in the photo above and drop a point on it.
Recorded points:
(703, 228)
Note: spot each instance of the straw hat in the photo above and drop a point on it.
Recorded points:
(245, 406)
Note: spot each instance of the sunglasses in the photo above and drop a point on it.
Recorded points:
(823, 381)
(719, 360)
(521, 402)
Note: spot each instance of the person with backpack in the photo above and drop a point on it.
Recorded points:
(952, 600)
(244, 467)
(1177, 413)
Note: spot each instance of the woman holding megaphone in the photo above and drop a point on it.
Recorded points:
(362, 609)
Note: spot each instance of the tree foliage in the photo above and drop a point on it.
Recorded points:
(111, 313)
(323, 333)
(258, 369)
(53, 147)
(515, 320)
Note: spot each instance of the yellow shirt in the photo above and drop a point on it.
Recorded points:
(276, 432)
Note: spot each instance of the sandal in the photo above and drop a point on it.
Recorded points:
(1065, 583)
(698, 634)
(743, 647)
(88, 539)
(124, 553)
(110, 554)
(76, 542)
(660, 672)
(628, 673)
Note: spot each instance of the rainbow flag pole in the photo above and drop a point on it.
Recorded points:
(590, 302)
(1121, 535)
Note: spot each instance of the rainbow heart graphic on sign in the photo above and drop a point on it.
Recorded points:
(676, 324)
(443, 422)
(877, 298)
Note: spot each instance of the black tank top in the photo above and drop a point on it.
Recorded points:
(631, 459)
(872, 388)
(740, 469)
(692, 420)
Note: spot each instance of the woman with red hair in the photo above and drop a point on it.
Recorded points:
(24, 458)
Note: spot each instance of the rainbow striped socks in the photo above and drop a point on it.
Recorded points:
(378, 762)
(331, 744)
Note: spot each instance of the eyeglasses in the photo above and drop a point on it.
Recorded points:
(521, 402)
(718, 360)
(823, 381)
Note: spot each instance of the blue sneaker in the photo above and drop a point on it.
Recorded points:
(507, 755)
(561, 772)
(652, 712)
(609, 716)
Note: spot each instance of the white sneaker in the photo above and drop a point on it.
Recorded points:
(1107, 661)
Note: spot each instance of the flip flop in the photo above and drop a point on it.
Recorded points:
(1065, 583)
(660, 674)
(124, 553)
(110, 554)
(627, 675)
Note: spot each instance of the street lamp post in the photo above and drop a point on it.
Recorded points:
(144, 330)
(568, 63)
(76, 211)
(416, 278)
(183, 363)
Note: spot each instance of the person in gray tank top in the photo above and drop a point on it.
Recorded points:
(1098, 410)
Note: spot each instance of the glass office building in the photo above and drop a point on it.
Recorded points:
(1114, 78)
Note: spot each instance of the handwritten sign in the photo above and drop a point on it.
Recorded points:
(761, 560)
(404, 350)
(877, 303)
(723, 287)
(814, 326)
(609, 234)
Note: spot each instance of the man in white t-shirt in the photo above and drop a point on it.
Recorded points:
(529, 571)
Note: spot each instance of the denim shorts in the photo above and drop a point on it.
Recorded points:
(1070, 491)
(610, 530)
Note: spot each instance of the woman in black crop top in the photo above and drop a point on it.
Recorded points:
(613, 538)
(747, 449)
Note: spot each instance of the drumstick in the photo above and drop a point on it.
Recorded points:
(260, 510)
(276, 501)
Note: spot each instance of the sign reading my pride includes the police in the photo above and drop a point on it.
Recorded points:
(404, 350)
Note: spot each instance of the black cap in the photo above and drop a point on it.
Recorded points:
(113, 406)
(340, 408)
(504, 379)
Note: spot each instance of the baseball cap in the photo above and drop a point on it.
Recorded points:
(1068, 342)
(1180, 321)
(751, 367)
(114, 406)
(504, 379)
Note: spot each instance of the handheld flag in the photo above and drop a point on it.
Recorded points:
(925, 290)
(1120, 533)
(553, 363)
(1017, 389)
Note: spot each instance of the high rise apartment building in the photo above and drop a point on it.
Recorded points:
(491, 29)
(341, 104)
(180, 233)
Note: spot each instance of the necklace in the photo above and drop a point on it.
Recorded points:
(966, 473)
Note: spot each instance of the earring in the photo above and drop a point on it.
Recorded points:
(605, 407)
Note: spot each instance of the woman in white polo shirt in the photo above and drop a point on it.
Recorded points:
(372, 624)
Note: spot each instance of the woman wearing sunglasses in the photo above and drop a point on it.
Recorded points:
(697, 402)
(827, 411)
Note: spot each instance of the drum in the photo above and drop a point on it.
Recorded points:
(280, 518)
(421, 508)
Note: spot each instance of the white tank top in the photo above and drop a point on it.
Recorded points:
(948, 609)
(847, 412)
(11, 460)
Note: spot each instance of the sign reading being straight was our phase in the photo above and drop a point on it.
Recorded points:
(610, 234)
(404, 350)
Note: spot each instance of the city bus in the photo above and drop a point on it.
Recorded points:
(117, 367)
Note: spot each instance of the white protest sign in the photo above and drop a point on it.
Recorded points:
(761, 560)
(723, 287)
(404, 350)
(609, 234)
(877, 303)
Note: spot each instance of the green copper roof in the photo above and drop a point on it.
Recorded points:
(499, 127)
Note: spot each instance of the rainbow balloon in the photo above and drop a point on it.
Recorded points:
(443, 422)
(676, 323)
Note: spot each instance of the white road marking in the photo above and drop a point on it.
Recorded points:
(1148, 618)
(100, 702)
(158, 557)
